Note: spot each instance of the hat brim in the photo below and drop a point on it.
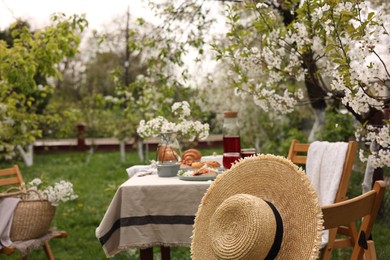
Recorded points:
(275, 179)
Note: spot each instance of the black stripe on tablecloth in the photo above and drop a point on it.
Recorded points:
(144, 220)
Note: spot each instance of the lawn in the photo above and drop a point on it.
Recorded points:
(96, 178)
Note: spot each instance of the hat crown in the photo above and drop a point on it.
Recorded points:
(233, 238)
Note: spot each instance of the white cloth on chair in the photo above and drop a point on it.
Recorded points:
(7, 207)
(324, 167)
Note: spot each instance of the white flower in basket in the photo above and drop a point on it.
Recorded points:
(60, 192)
(34, 213)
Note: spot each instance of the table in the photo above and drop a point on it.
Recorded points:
(151, 211)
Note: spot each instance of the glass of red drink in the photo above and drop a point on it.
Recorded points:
(229, 159)
(246, 152)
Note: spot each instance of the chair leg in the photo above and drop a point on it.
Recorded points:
(352, 232)
(48, 251)
(370, 253)
(326, 252)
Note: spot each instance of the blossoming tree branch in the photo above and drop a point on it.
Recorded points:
(182, 125)
(327, 53)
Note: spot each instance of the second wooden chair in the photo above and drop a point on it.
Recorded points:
(298, 155)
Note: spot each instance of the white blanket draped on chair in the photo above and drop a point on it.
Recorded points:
(7, 207)
(324, 167)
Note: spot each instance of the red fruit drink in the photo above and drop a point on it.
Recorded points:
(229, 159)
(247, 152)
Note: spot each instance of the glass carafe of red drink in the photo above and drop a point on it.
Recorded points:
(231, 138)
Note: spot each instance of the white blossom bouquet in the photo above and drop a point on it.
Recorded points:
(60, 192)
(184, 127)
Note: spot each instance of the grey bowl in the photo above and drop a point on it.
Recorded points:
(168, 169)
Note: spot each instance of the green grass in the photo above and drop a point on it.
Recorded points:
(95, 180)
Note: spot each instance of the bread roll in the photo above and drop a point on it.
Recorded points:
(192, 154)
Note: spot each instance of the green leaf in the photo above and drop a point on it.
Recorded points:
(370, 15)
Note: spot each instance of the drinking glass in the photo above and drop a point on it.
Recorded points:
(229, 159)
(246, 152)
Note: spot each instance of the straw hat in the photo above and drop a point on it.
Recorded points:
(264, 207)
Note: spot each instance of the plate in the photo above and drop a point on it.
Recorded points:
(197, 178)
(186, 175)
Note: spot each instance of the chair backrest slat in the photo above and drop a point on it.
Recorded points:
(11, 176)
(9, 181)
(8, 171)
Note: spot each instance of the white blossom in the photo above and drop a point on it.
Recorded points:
(319, 12)
(35, 182)
(60, 192)
(261, 5)
(351, 65)
(183, 127)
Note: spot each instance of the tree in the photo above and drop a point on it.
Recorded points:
(162, 48)
(326, 51)
(22, 99)
(187, 28)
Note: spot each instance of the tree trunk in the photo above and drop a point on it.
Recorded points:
(257, 145)
(316, 94)
(27, 155)
(122, 149)
(371, 174)
(319, 121)
(140, 149)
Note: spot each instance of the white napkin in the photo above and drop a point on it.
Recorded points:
(7, 207)
(142, 169)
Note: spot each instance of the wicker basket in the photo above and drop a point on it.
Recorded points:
(32, 219)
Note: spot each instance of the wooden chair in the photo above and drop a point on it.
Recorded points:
(12, 177)
(365, 206)
(298, 155)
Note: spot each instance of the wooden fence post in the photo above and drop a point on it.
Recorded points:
(81, 146)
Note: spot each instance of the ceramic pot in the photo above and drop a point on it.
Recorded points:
(168, 169)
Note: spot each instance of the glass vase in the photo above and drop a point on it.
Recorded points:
(168, 149)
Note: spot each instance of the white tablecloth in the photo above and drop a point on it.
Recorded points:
(151, 211)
